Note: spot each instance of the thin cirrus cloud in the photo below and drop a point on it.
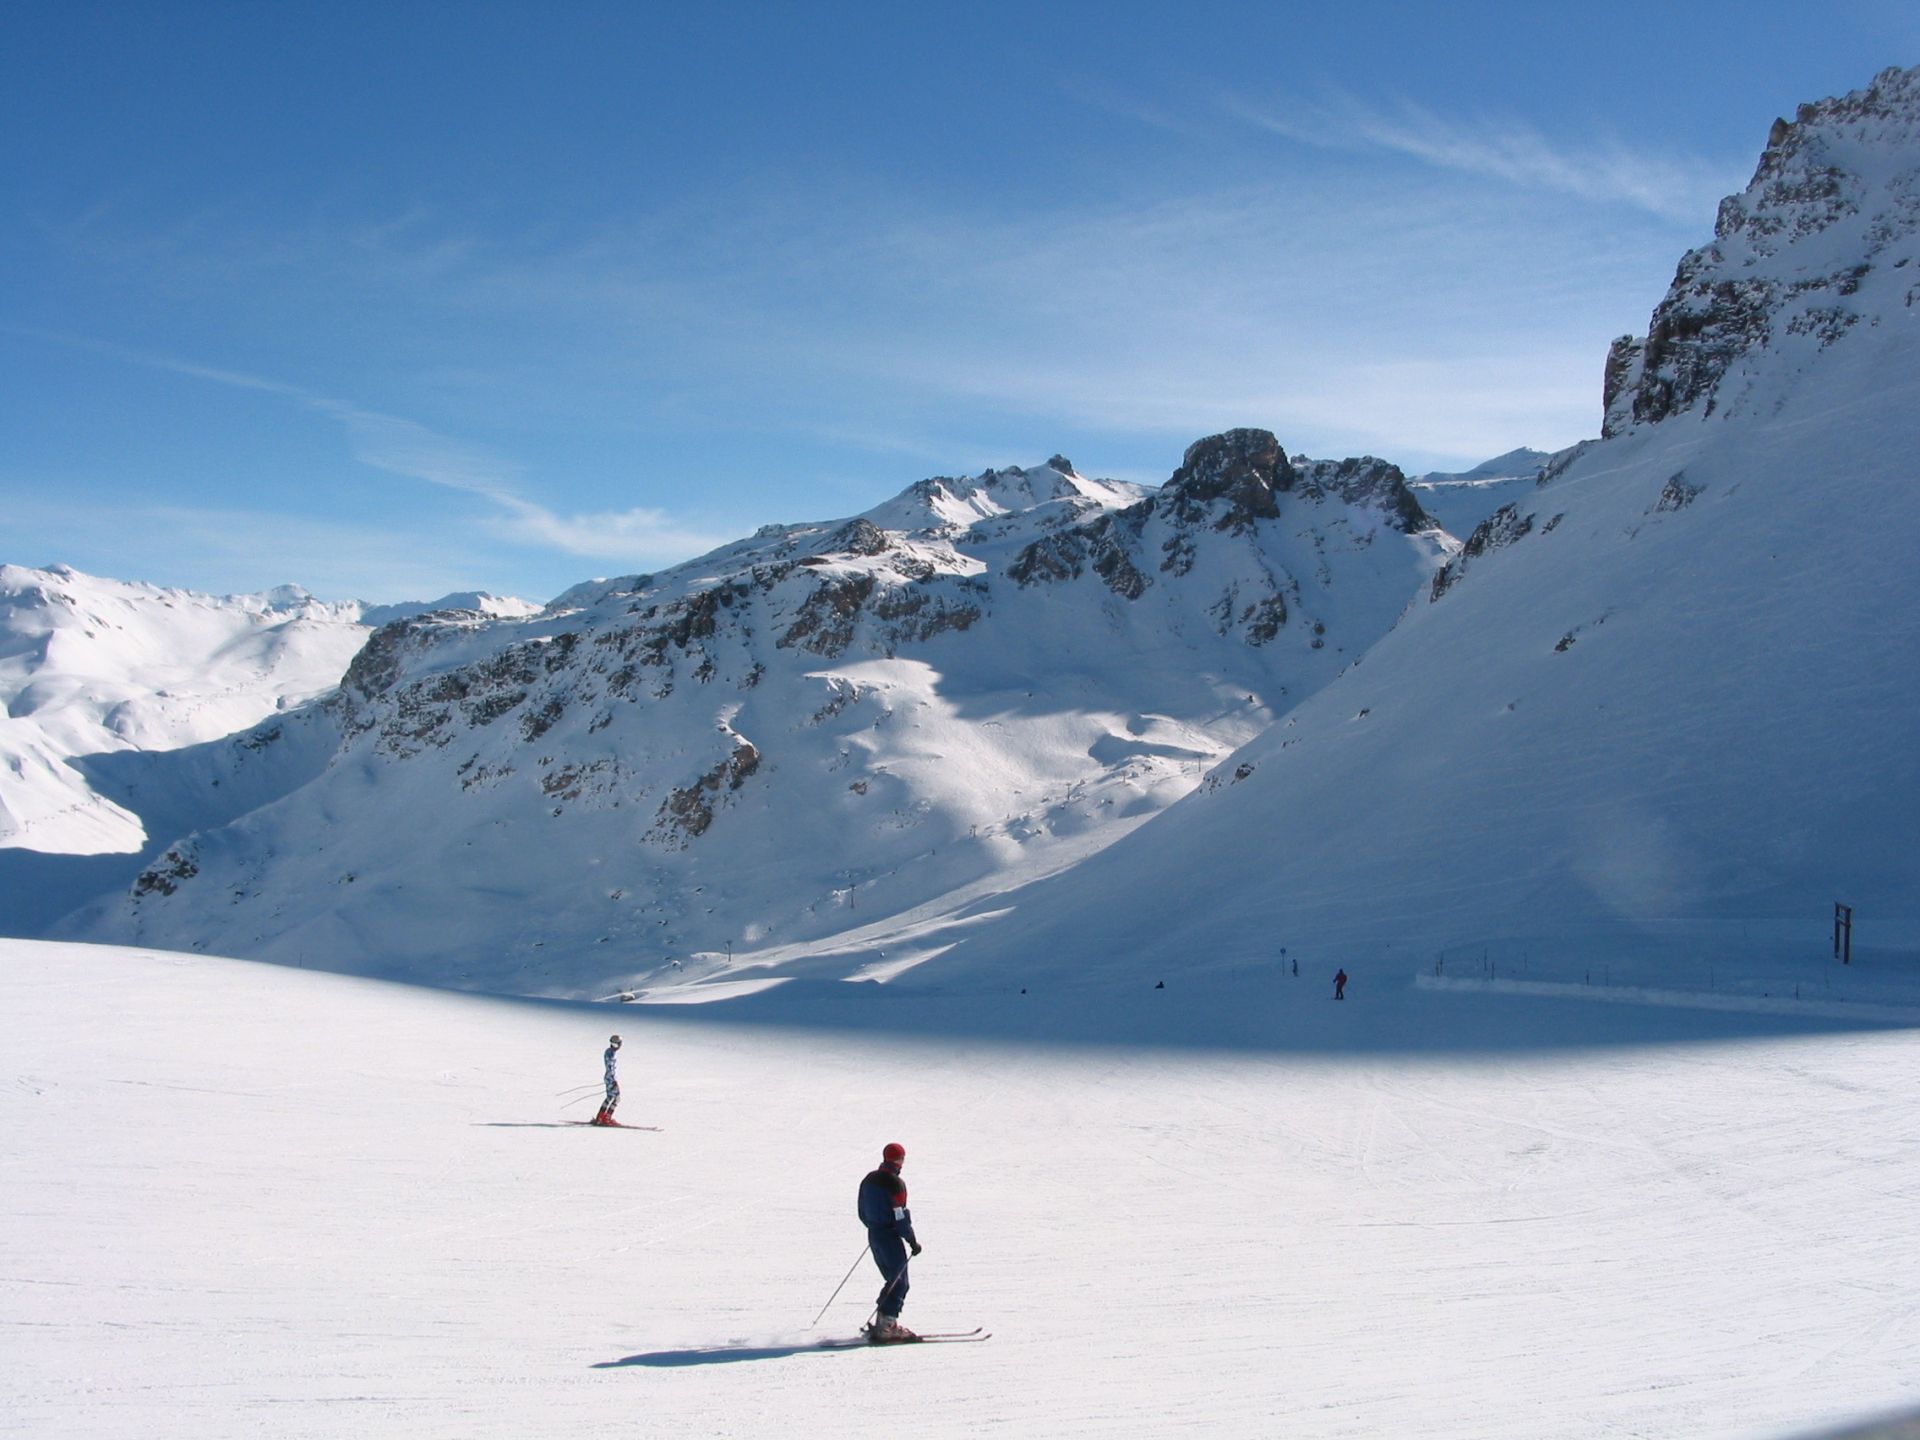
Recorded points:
(409, 449)
(1673, 187)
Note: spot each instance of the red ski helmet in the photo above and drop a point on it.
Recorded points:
(894, 1154)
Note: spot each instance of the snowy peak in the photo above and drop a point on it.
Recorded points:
(1515, 464)
(949, 506)
(1458, 501)
(473, 602)
(1365, 482)
(1823, 239)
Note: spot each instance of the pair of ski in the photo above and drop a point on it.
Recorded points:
(613, 1125)
(938, 1337)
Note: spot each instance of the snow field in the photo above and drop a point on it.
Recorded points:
(243, 1200)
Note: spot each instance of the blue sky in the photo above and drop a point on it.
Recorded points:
(395, 299)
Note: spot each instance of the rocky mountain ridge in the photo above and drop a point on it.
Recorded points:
(982, 673)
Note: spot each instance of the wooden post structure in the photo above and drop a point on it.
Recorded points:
(1843, 933)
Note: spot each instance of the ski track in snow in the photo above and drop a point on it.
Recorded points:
(245, 1200)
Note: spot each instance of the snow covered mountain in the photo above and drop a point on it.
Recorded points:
(91, 666)
(1667, 697)
(975, 683)
(1461, 500)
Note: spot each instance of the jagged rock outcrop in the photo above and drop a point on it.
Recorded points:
(1816, 227)
(1228, 490)
(1229, 481)
(1506, 526)
(687, 812)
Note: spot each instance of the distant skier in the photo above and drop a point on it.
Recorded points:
(1340, 985)
(605, 1117)
(883, 1210)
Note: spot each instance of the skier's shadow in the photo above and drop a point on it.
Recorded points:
(723, 1355)
(530, 1124)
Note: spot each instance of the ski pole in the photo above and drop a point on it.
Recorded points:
(841, 1286)
(576, 1089)
(578, 1099)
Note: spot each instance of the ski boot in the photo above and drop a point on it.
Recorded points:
(887, 1330)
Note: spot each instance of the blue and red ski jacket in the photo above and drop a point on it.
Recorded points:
(883, 1205)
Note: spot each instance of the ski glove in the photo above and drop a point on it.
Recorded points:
(916, 1246)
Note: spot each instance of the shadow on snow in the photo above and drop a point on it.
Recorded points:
(729, 1354)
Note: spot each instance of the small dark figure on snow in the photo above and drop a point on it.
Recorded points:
(1340, 985)
(605, 1117)
(883, 1210)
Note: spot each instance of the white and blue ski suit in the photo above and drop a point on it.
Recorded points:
(883, 1210)
(613, 1087)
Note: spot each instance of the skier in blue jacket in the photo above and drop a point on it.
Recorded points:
(883, 1210)
(605, 1117)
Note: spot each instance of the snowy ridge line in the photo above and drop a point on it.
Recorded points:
(1677, 999)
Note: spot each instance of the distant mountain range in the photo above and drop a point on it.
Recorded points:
(1460, 501)
(91, 666)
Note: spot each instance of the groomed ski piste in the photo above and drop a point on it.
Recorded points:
(242, 1199)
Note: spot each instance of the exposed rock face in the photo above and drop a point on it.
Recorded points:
(1821, 220)
(857, 537)
(1245, 469)
(168, 873)
(686, 813)
(1626, 360)
(1504, 527)
(1227, 485)
(1367, 481)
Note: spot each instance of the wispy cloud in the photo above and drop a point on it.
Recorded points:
(1671, 186)
(1127, 106)
(821, 323)
(398, 446)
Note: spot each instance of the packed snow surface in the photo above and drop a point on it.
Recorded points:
(248, 1200)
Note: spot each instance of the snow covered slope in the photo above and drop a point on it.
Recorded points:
(89, 665)
(1672, 693)
(245, 1200)
(977, 682)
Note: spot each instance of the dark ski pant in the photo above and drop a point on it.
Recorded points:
(890, 1254)
(613, 1098)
